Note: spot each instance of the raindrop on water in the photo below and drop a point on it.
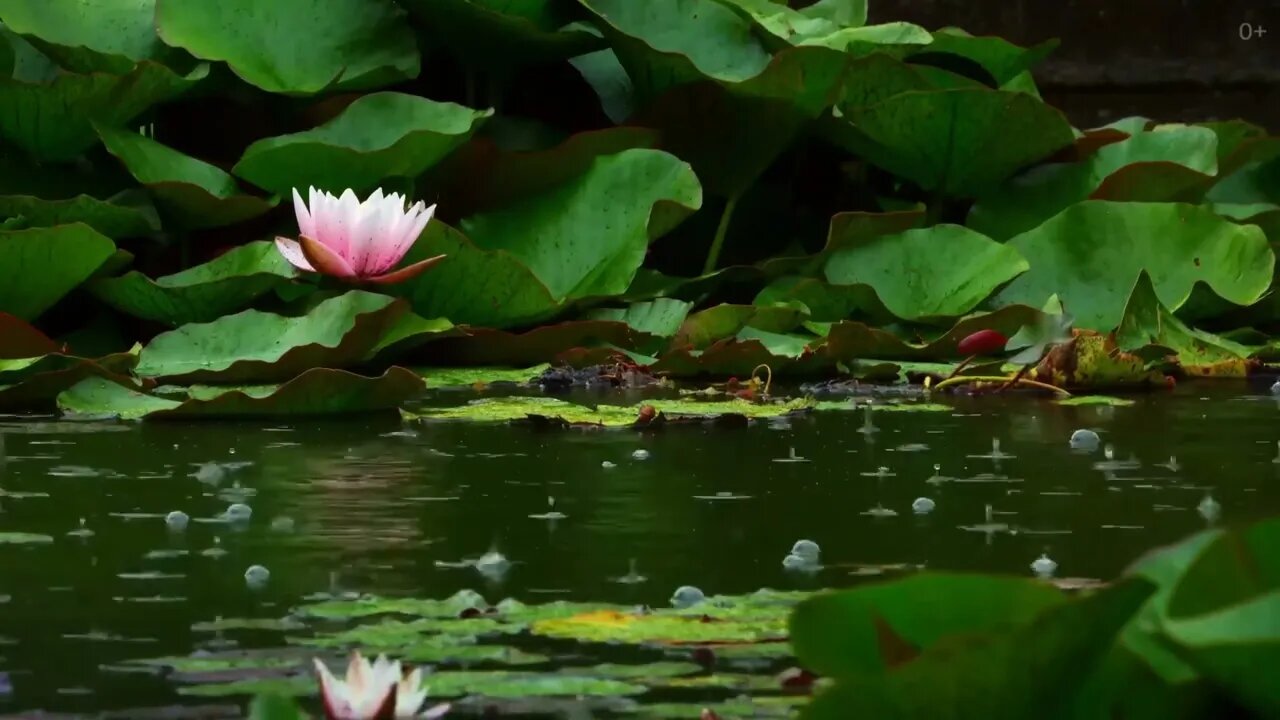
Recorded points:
(256, 576)
(937, 478)
(632, 577)
(868, 427)
(806, 550)
(923, 506)
(238, 512)
(640, 454)
(1172, 465)
(687, 596)
(82, 531)
(1275, 388)
(216, 551)
(493, 565)
(791, 457)
(177, 520)
(608, 465)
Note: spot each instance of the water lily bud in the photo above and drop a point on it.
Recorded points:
(982, 342)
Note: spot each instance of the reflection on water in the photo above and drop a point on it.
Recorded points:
(156, 530)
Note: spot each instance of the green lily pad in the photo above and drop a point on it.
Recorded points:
(257, 346)
(189, 192)
(936, 272)
(374, 606)
(660, 629)
(885, 406)
(512, 409)
(843, 634)
(319, 391)
(454, 653)
(390, 636)
(1004, 60)
(465, 377)
(114, 219)
(40, 265)
(500, 35)
(846, 230)
(34, 383)
(1052, 652)
(288, 686)
(640, 673)
(1147, 322)
(585, 238)
(1173, 164)
(68, 105)
(958, 142)
(718, 322)
(1091, 254)
(505, 684)
(24, 538)
(234, 660)
(742, 708)
(482, 176)
(379, 136)
(1106, 400)
(222, 624)
(90, 35)
(202, 293)
(293, 47)
(661, 318)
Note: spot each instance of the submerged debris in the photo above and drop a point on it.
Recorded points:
(596, 377)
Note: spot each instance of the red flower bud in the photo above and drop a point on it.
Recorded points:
(983, 342)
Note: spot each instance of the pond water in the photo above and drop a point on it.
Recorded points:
(373, 506)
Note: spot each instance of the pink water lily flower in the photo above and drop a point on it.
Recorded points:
(357, 241)
(374, 691)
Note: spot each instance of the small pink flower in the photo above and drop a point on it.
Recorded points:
(357, 241)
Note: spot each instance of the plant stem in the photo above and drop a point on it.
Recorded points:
(713, 255)
(1001, 379)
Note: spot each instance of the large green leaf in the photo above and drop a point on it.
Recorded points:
(846, 229)
(474, 285)
(254, 346)
(725, 320)
(661, 317)
(958, 142)
(1091, 253)
(119, 217)
(935, 272)
(317, 391)
(40, 265)
(202, 293)
(1147, 322)
(501, 35)
(53, 119)
(481, 176)
(33, 384)
(847, 13)
(1025, 671)
(89, 35)
(191, 193)
(378, 136)
(587, 237)
(853, 632)
(298, 47)
(1159, 165)
(1001, 58)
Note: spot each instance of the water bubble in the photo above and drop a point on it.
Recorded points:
(551, 513)
(282, 524)
(210, 473)
(807, 550)
(177, 520)
(1275, 388)
(640, 454)
(796, 563)
(238, 512)
(687, 596)
(923, 506)
(1084, 439)
(1043, 566)
(256, 576)
(1277, 460)
(608, 465)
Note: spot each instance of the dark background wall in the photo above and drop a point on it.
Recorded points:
(1171, 60)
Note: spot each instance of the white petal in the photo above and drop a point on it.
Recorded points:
(305, 225)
